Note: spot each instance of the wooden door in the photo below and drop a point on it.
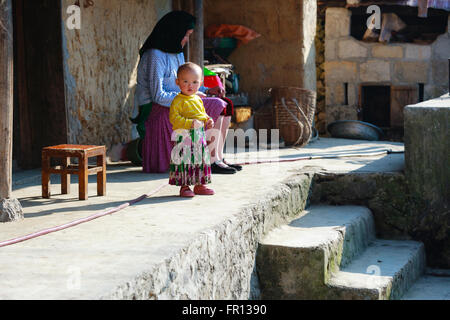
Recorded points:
(40, 113)
(401, 96)
(375, 104)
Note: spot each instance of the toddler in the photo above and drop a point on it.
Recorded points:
(190, 158)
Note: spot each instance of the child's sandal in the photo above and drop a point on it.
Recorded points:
(186, 192)
(203, 190)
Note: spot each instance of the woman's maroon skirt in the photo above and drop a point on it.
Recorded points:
(157, 145)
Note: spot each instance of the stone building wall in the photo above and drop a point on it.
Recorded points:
(284, 55)
(100, 62)
(348, 60)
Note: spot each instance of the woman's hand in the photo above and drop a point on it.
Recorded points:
(197, 124)
(209, 124)
(216, 91)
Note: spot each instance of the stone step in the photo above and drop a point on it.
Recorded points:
(296, 260)
(429, 288)
(386, 270)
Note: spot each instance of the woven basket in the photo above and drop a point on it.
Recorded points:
(293, 110)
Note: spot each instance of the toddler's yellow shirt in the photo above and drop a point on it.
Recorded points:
(185, 109)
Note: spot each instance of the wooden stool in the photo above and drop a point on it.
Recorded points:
(83, 153)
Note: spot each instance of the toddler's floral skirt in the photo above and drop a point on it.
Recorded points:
(190, 161)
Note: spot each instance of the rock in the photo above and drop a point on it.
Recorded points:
(351, 49)
(10, 210)
(417, 52)
(375, 70)
(337, 22)
(384, 51)
(340, 71)
(411, 72)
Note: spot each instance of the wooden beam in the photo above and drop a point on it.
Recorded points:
(196, 45)
(6, 98)
(194, 50)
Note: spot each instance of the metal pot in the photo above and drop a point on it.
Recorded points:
(354, 129)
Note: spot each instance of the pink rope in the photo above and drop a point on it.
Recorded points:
(331, 156)
(80, 221)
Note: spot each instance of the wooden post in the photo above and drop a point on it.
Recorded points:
(6, 98)
(10, 209)
(196, 45)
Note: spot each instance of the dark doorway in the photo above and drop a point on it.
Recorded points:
(376, 105)
(39, 104)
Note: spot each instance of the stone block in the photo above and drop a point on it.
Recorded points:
(351, 49)
(330, 49)
(417, 52)
(427, 126)
(441, 47)
(433, 91)
(439, 72)
(386, 51)
(340, 112)
(334, 94)
(410, 71)
(340, 71)
(337, 23)
(352, 94)
(427, 154)
(10, 210)
(375, 70)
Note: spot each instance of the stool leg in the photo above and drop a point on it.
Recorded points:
(101, 176)
(45, 176)
(83, 176)
(65, 178)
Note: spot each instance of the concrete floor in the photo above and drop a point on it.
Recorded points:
(91, 259)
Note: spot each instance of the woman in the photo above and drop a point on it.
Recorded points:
(161, 55)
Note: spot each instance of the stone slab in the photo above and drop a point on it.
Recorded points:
(429, 288)
(427, 128)
(295, 261)
(386, 270)
(387, 51)
(375, 70)
(340, 71)
(417, 52)
(337, 22)
(351, 48)
(411, 71)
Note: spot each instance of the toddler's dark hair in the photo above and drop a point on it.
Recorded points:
(190, 66)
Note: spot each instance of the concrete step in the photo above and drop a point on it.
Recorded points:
(386, 270)
(296, 260)
(429, 288)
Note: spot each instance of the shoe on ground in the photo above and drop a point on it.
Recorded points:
(186, 192)
(203, 190)
(235, 166)
(215, 168)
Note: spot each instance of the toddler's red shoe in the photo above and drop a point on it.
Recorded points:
(186, 192)
(203, 191)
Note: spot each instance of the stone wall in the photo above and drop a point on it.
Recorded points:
(284, 55)
(100, 63)
(348, 60)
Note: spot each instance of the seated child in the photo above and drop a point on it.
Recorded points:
(190, 158)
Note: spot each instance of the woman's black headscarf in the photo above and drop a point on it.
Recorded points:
(168, 32)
